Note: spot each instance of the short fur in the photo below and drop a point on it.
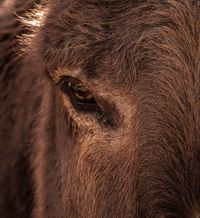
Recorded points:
(142, 58)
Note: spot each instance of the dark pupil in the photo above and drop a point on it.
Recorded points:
(80, 93)
(82, 99)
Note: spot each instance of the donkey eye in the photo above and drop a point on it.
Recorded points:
(80, 92)
(82, 99)
(80, 96)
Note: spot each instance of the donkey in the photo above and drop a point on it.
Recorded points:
(100, 109)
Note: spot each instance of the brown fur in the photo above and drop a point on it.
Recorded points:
(141, 59)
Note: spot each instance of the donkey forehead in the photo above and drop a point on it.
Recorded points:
(119, 39)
